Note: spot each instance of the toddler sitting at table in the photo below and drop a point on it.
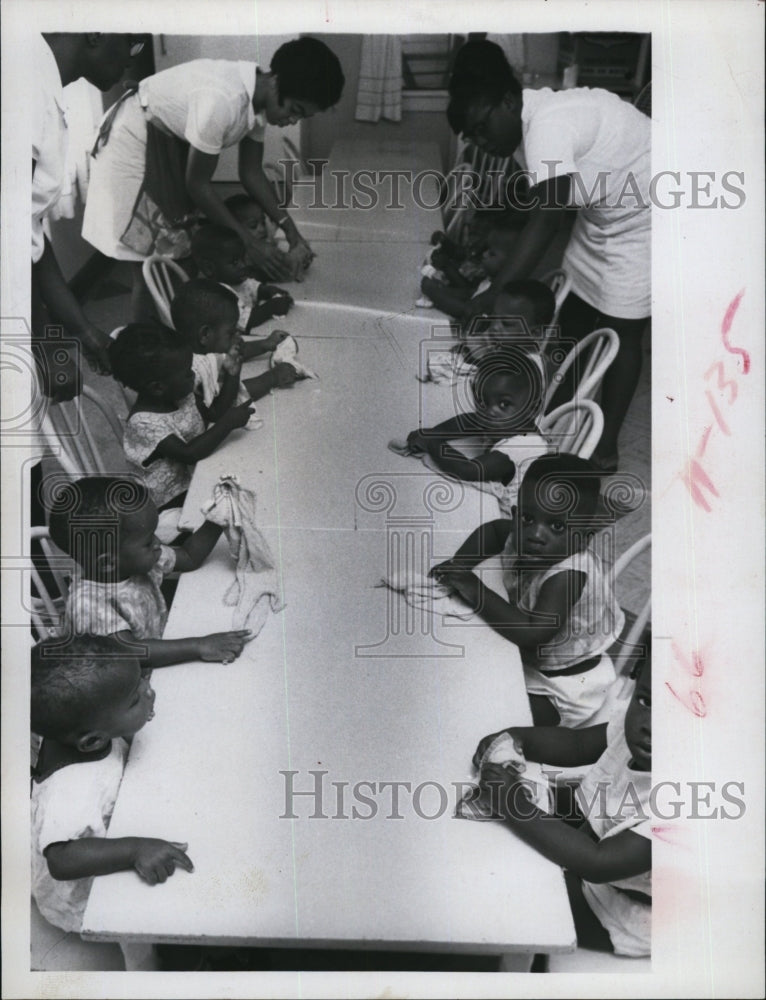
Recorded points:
(107, 525)
(166, 432)
(219, 254)
(206, 314)
(88, 700)
(561, 609)
(608, 854)
(508, 390)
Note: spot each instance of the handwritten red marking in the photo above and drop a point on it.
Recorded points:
(696, 668)
(722, 383)
(693, 477)
(704, 440)
(717, 413)
(728, 319)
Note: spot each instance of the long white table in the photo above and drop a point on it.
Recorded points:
(346, 685)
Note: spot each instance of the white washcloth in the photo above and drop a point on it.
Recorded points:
(254, 591)
(506, 752)
(421, 591)
(447, 367)
(287, 351)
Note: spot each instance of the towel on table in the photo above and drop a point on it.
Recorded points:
(504, 750)
(254, 591)
(287, 351)
(423, 592)
(207, 378)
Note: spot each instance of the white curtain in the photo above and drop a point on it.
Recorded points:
(84, 110)
(380, 79)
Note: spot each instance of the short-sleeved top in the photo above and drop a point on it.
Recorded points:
(594, 622)
(208, 373)
(135, 605)
(605, 143)
(247, 298)
(165, 478)
(75, 801)
(49, 137)
(206, 102)
(615, 798)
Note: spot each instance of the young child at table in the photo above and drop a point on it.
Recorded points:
(220, 255)
(608, 856)
(561, 610)
(89, 698)
(522, 312)
(250, 214)
(107, 525)
(206, 314)
(166, 432)
(453, 300)
(508, 390)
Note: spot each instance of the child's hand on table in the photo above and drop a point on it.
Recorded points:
(284, 375)
(274, 339)
(232, 362)
(238, 416)
(156, 860)
(485, 742)
(222, 647)
(506, 789)
(417, 442)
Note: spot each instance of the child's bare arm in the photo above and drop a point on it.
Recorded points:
(219, 647)
(553, 744)
(487, 540)
(281, 376)
(225, 399)
(197, 548)
(527, 629)
(452, 301)
(277, 303)
(608, 860)
(190, 452)
(154, 860)
(255, 348)
(493, 466)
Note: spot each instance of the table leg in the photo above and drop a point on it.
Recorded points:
(140, 956)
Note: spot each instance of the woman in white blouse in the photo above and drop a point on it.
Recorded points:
(585, 149)
(157, 151)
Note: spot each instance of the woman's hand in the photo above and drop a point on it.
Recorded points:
(300, 256)
(95, 344)
(266, 257)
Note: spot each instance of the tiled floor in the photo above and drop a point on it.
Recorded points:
(109, 307)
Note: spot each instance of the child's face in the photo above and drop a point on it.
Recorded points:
(542, 528)
(178, 379)
(504, 401)
(217, 337)
(130, 702)
(230, 266)
(139, 547)
(638, 722)
(251, 217)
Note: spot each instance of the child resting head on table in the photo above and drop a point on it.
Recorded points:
(88, 699)
(166, 432)
(107, 524)
(454, 299)
(220, 255)
(249, 213)
(561, 609)
(206, 314)
(508, 390)
(601, 835)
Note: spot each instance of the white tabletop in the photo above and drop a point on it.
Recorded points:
(347, 679)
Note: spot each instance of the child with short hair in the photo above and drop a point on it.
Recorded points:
(522, 312)
(89, 698)
(608, 856)
(509, 390)
(166, 432)
(206, 313)
(107, 525)
(454, 300)
(220, 254)
(249, 214)
(561, 609)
